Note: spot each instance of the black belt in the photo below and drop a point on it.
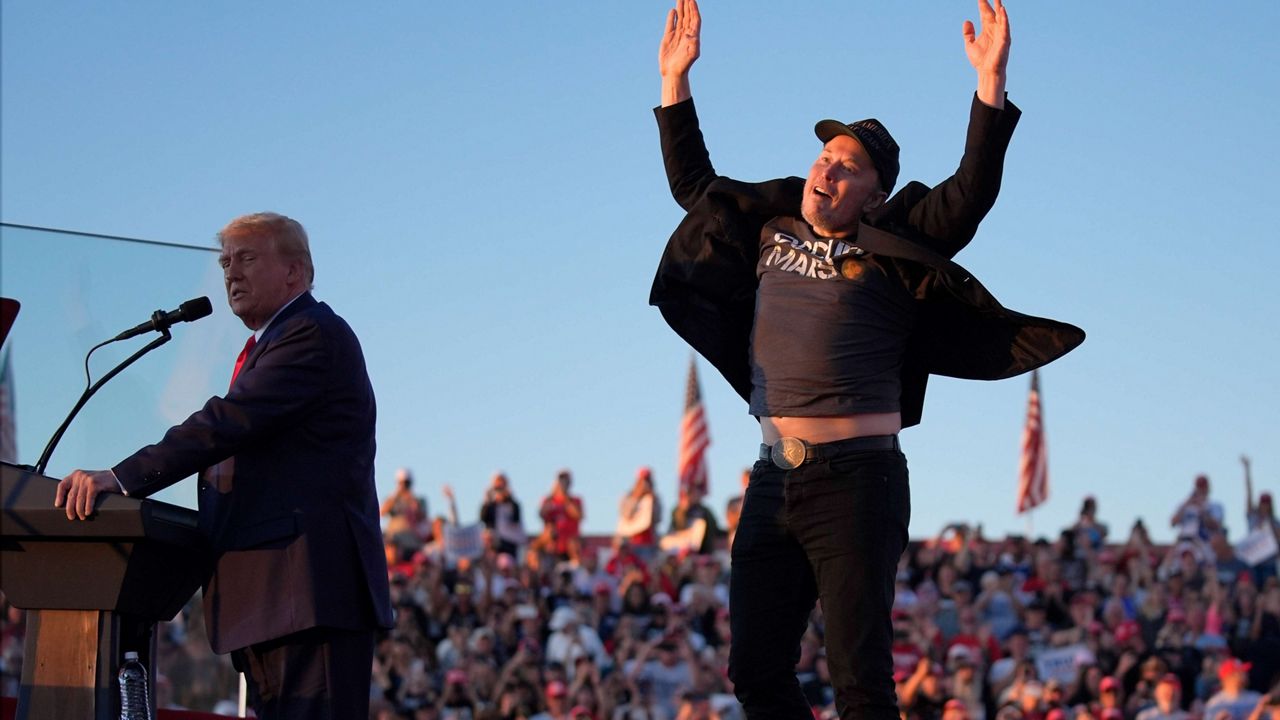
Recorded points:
(790, 453)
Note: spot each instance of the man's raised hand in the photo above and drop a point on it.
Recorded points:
(680, 47)
(989, 51)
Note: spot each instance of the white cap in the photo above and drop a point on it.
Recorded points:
(131, 655)
(563, 617)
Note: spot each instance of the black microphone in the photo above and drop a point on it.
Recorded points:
(161, 320)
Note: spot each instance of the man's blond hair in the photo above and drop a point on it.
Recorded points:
(287, 236)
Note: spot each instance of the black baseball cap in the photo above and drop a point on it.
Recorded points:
(875, 138)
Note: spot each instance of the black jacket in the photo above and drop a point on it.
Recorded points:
(706, 282)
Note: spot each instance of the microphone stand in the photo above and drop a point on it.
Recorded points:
(89, 392)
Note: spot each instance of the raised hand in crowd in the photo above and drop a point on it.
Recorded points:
(447, 491)
(1268, 707)
(587, 676)
(1128, 659)
(643, 649)
(696, 706)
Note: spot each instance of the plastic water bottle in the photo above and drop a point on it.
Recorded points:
(134, 704)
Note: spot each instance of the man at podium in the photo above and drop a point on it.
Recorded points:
(298, 577)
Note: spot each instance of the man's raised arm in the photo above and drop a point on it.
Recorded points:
(950, 213)
(684, 153)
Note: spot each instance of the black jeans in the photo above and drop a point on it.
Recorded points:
(833, 530)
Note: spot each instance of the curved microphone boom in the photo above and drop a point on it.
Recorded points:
(160, 321)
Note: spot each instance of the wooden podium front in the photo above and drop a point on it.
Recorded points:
(92, 589)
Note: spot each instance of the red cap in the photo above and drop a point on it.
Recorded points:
(555, 688)
(456, 677)
(1176, 615)
(580, 710)
(1202, 481)
(1231, 666)
(954, 704)
(1170, 679)
(1264, 498)
(1056, 714)
(1126, 631)
(1108, 683)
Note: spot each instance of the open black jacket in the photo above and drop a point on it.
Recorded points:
(706, 282)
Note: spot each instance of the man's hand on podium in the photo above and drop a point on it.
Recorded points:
(80, 489)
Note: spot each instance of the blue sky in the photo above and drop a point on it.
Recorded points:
(486, 202)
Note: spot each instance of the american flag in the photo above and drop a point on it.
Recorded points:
(1033, 472)
(692, 465)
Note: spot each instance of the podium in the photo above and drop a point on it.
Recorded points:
(92, 589)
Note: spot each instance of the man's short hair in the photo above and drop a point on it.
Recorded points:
(287, 235)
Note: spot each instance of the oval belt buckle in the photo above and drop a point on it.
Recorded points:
(788, 453)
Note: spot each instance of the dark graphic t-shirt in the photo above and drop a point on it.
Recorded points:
(828, 338)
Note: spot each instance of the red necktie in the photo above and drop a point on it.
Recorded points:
(248, 348)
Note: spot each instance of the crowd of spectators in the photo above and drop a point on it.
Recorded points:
(494, 623)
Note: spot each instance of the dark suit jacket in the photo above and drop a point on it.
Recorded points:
(706, 283)
(287, 497)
